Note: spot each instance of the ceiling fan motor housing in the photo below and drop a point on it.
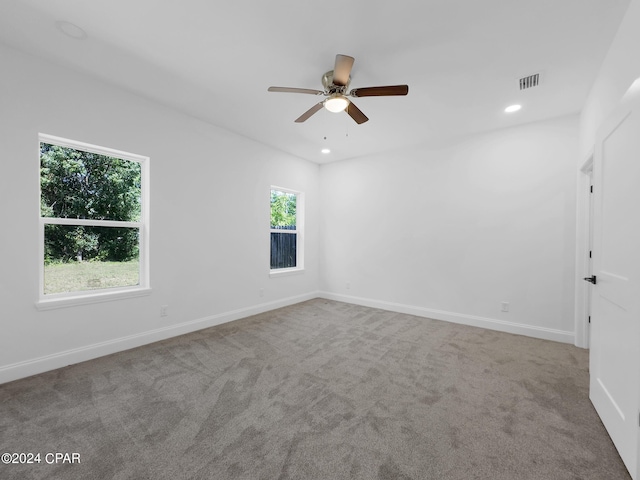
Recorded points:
(330, 87)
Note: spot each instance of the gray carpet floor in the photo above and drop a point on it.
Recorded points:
(318, 390)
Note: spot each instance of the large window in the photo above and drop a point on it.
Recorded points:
(286, 230)
(93, 213)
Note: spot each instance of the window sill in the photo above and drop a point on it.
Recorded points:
(283, 272)
(87, 299)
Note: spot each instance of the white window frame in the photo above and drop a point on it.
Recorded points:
(299, 231)
(58, 300)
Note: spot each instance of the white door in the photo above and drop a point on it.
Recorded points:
(615, 298)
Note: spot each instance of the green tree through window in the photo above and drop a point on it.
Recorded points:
(84, 185)
(283, 209)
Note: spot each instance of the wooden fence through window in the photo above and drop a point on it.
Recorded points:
(283, 248)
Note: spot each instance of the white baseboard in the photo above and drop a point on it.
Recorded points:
(34, 366)
(461, 318)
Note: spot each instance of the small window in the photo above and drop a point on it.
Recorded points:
(286, 230)
(93, 220)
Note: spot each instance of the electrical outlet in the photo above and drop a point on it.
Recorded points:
(164, 310)
(348, 285)
(262, 292)
(504, 306)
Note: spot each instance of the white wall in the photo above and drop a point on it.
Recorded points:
(450, 233)
(619, 70)
(209, 218)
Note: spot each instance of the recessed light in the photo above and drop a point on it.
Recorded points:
(325, 151)
(71, 30)
(512, 108)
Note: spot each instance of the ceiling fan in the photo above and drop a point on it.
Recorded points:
(336, 86)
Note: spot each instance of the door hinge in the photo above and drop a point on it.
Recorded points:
(589, 253)
(591, 189)
(589, 318)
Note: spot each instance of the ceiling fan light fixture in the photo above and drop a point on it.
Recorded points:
(336, 103)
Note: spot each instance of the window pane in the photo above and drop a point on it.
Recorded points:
(283, 250)
(78, 184)
(80, 258)
(283, 209)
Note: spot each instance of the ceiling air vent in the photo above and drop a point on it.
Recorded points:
(530, 81)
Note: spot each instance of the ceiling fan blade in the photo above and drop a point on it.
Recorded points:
(295, 90)
(342, 70)
(380, 91)
(308, 113)
(355, 113)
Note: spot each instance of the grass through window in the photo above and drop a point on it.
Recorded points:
(79, 276)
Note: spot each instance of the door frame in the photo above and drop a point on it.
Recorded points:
(583, 244)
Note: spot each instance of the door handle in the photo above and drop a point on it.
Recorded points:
(591, 279)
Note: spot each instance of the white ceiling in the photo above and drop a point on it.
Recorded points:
(215, 60)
